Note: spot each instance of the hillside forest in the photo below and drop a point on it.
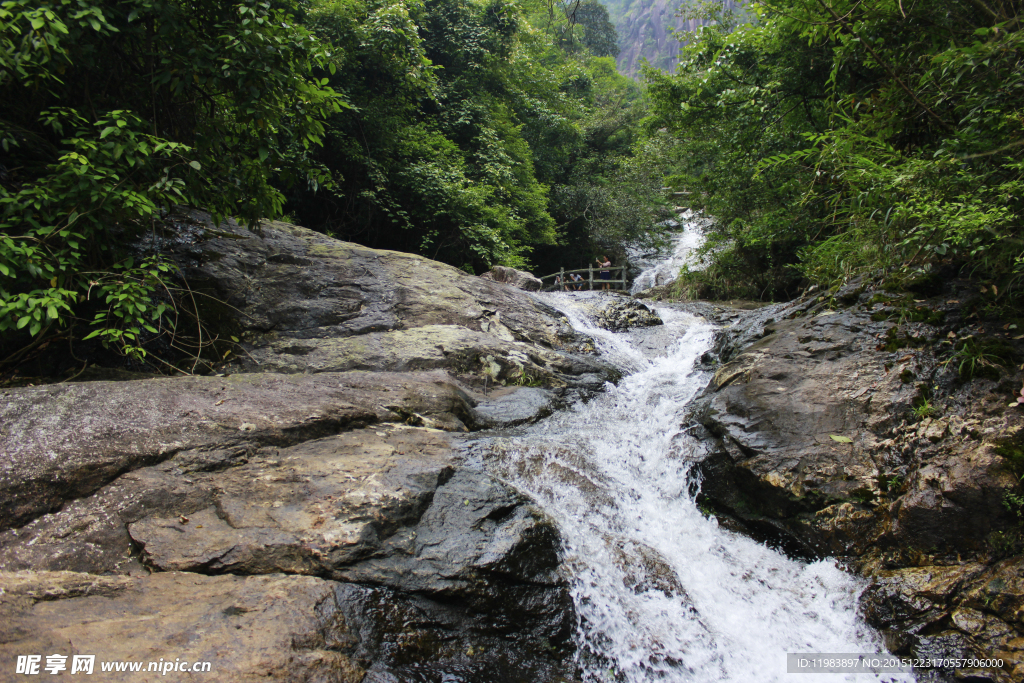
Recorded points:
(828, 139)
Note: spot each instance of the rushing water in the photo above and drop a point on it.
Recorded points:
(660, 269)
(663, 592)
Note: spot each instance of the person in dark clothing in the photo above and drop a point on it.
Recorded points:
(605, 264)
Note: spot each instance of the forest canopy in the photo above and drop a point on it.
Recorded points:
(469, 131)
(832, 138)
(826, 139)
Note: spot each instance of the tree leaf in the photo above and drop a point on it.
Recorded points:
(840, 439)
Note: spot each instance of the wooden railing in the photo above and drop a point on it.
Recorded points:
(561, 281)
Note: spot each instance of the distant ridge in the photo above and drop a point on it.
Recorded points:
(645, 31)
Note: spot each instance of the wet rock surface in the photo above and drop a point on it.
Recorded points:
(619, 315)
(301, 302)
(177, 617)
(64, 441)
(273, 627)
(516, 278)
(387, 512)
(308, 514)
(839, 426)
(969, 610)
(510, 408)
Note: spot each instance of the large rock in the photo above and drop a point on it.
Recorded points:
(818, 443)
(620, 315)
(963, 610)
(385, 503)
(516, 278)
(258, 628)
(386, 506)
(850, 433)
(303, 302)
(180, 618)
(64, 441)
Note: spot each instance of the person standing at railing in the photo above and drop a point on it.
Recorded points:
(605, 264)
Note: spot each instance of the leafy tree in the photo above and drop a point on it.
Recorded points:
(458, 129)
(467, 127)
(432, 156)
(583, 24)
(836, 137)
(925, 153)
(744, 93)
(111, 111)
(600, 36)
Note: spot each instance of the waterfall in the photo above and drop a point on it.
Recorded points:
(661, 269)
(662, 591)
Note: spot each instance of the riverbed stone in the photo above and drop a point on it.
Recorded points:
(621, 314)
(966, 610)
(510, 407)
(390, 506)
(841, 426)
(516, 278)
(276, 627)
(178, 616)
(469, 354)
(64, 441)
(387, 505)
(302, 302)
(817, 441)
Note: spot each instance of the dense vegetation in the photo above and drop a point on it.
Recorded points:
(838, 137)
(471, 131)
(827, 138)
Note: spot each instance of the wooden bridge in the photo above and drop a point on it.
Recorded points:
(561, 281)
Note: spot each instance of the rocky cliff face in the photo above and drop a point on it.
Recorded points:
(645, 30)
(306, 514)
(839, 427)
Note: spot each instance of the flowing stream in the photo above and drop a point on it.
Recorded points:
(663, 268)
(662, 591)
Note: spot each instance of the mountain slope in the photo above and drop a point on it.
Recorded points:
(645, 31)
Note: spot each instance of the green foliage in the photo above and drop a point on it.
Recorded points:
(1014, 455)
(1014, 503)
(475, 132)
(1011, 542)
(890, 483)
(584, 26)
(924, 409)
(127, 294)
(114, 111)
(431, 159)
(981, 358)
(845, 138)
(738, 94)
(476, 138)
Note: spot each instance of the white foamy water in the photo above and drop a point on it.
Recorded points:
(662, 269)
(664, 593)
